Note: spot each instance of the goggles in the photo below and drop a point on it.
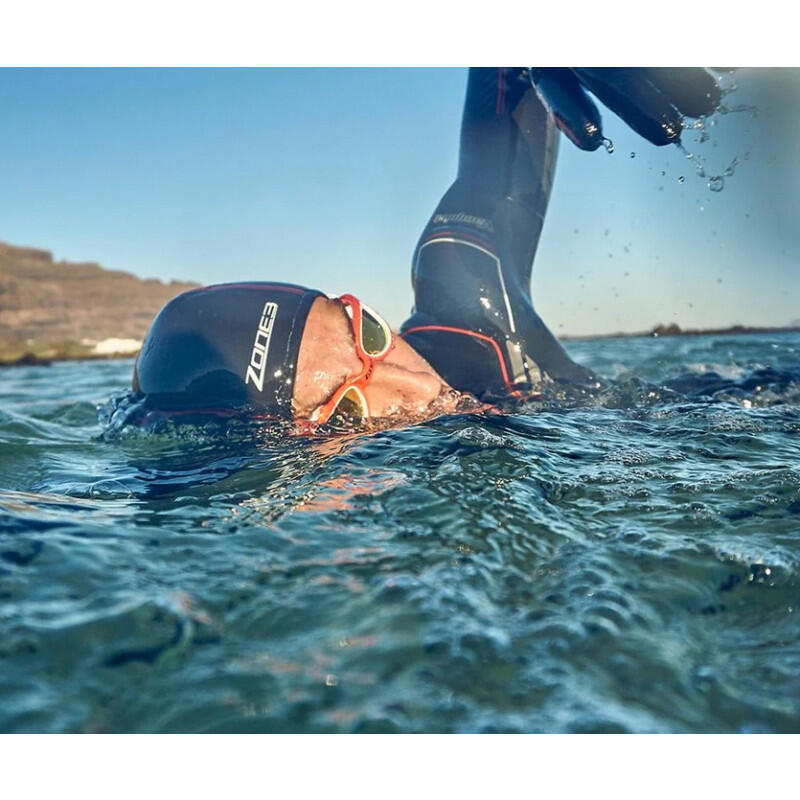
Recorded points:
(373, 339)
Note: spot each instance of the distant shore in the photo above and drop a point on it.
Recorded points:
(37, 352)
(13, 354)
(36, 355)
(660, 331)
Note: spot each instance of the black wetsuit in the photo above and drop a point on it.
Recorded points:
(473, 317)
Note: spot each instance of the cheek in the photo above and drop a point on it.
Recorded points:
(398, 393)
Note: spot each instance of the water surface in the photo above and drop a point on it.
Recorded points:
(626, 563)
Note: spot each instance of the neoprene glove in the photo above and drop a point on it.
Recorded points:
(651, 100)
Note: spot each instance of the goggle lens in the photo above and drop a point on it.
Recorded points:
(375, 334)
(349, 409)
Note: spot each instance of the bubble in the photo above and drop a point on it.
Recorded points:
(716, 183)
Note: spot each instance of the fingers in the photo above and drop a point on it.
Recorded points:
(572, 109)
(630, 94)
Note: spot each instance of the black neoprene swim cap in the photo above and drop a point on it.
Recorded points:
(231, 346)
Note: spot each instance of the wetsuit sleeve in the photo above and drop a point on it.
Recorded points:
(473, 317)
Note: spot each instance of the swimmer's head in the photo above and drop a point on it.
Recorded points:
(226, 347)
(280, 350)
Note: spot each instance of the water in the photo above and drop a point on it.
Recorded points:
(626, 563)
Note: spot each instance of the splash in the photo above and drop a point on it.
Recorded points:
(715, 180)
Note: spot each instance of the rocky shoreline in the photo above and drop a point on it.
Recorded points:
(62, 311)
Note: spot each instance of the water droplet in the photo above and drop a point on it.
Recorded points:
(702, 208)
(606, 231)
(626, 274)
(663, 173)
(633, 155)
(700, 170)
(681, 179)
(716, 183)
(609, 145)
(719, 280)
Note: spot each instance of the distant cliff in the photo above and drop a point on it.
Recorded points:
(58, 309)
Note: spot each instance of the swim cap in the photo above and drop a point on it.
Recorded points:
(230, 346)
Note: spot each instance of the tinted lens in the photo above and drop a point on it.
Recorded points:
(349, 409)
(375, 336)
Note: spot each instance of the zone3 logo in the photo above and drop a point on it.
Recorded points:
(258, 358)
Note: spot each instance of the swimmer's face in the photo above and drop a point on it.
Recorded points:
(403, 386)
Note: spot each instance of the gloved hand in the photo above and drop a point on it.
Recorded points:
(651, 100)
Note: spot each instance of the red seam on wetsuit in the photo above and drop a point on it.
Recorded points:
(482, 336)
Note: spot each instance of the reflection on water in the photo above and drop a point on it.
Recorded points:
(626, 561)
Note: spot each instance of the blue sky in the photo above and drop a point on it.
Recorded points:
(326, 177)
